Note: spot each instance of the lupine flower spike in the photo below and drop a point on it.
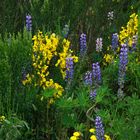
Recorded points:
(28, 22)
(122, 68)
(88, 78)
(70, 68)
(93, 94)
(115, 40)
(83, 44)
(96, 73)
(99, 128)
(99, 44)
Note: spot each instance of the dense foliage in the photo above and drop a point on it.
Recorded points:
(69, 70)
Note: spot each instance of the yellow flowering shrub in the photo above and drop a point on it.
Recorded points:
(126, 35)
(45, 48)
(131, 29)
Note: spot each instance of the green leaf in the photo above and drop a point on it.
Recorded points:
(49, 92)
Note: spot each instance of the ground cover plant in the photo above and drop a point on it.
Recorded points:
(69, 70)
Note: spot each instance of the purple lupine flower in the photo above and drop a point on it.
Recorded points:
(65, 31)
(93, 94)
(115, 40)
(122, 68)
(28, 22)
(123, 63)
(99, 128)
(83, 44)
(96, 73)
(99, 44)
(70, 68)
(88, 78)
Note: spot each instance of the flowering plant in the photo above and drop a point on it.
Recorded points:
(48, 54)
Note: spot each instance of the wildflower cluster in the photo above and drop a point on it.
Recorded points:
(83, 44)
(112, 50)
(131, 29)
(98, 131)
(99, 44)
(93, 77)
(76, 136)
(45, 48)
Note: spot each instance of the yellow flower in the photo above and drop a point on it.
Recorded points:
(24, 82)
(73, 138)
(92, 130)
(44, 49)
(51, 101)
(107, 137)
(93, 137)
(2, 118)
(28, 79)
(108, 58)
(131, 29)
(75, 58)
(77, 134)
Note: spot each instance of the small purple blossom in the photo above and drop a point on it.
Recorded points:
(93, 94)
(83, 44)
(99, 128)
(99, 44)
(88, 78)
(28, 22)
(96, 73)
(70, 68)
(115, 40)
